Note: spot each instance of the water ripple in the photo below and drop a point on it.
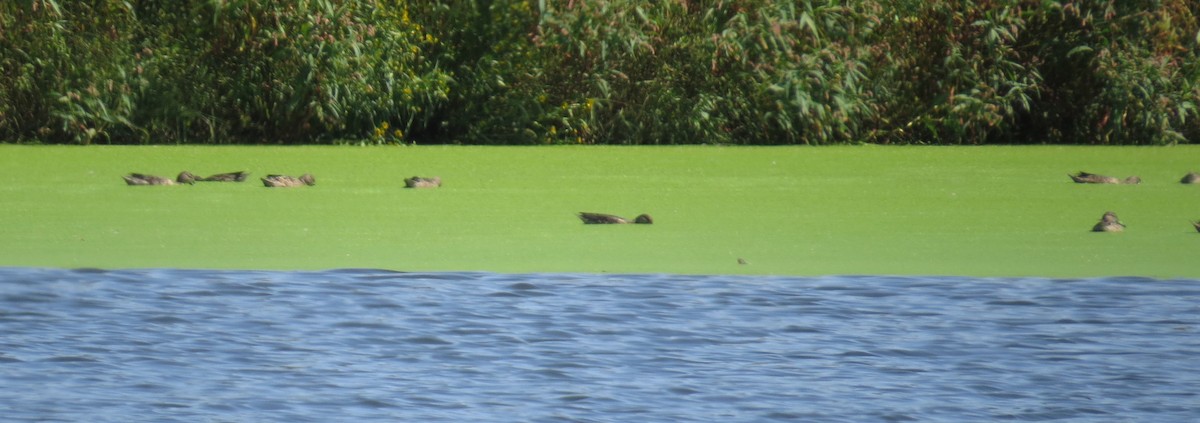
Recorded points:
(374, 345)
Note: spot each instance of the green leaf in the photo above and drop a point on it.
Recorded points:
(806, 21)
(1083, 49)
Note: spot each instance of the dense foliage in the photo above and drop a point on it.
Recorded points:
(600, 71)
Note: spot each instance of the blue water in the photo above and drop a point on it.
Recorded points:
(371, 345)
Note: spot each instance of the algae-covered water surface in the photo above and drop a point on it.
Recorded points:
(976, 211)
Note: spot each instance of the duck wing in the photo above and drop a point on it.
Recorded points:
(239, 176)
(600, 218)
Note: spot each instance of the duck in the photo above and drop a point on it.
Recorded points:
(239, 176)
(420, 182)
(284, 181)
(1197, 225)
(1109, 223)
(1092, 178)
(184, 177)
(601, 218)
(1190, 178)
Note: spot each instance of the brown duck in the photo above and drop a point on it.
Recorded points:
(1197, 225)
(419, 182)
(601, 218)
(184, 177)
(227, 177)
(1190, 178)
(1109, 223)
(284, 181)
(1092, 178)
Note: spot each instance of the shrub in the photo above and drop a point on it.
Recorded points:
(1118, 72)
(304, 71)
(64, 72)
(601, 71)
(954, 73)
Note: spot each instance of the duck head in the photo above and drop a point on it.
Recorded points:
(186, 177)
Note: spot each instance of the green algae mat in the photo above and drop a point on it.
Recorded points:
(971, 211)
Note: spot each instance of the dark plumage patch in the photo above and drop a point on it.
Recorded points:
(608, 219)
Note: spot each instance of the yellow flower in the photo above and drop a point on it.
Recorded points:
(398, 133)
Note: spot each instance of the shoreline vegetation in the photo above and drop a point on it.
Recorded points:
(508, 72)
(1003, 211)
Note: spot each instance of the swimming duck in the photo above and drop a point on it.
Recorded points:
(1092, 178)
(1109, 223)
(419, 182)
(227, 177)
(184, 177)
(1190, 178)
(600, 218)
(284, 181)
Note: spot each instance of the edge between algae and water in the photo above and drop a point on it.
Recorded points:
(969, 211)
